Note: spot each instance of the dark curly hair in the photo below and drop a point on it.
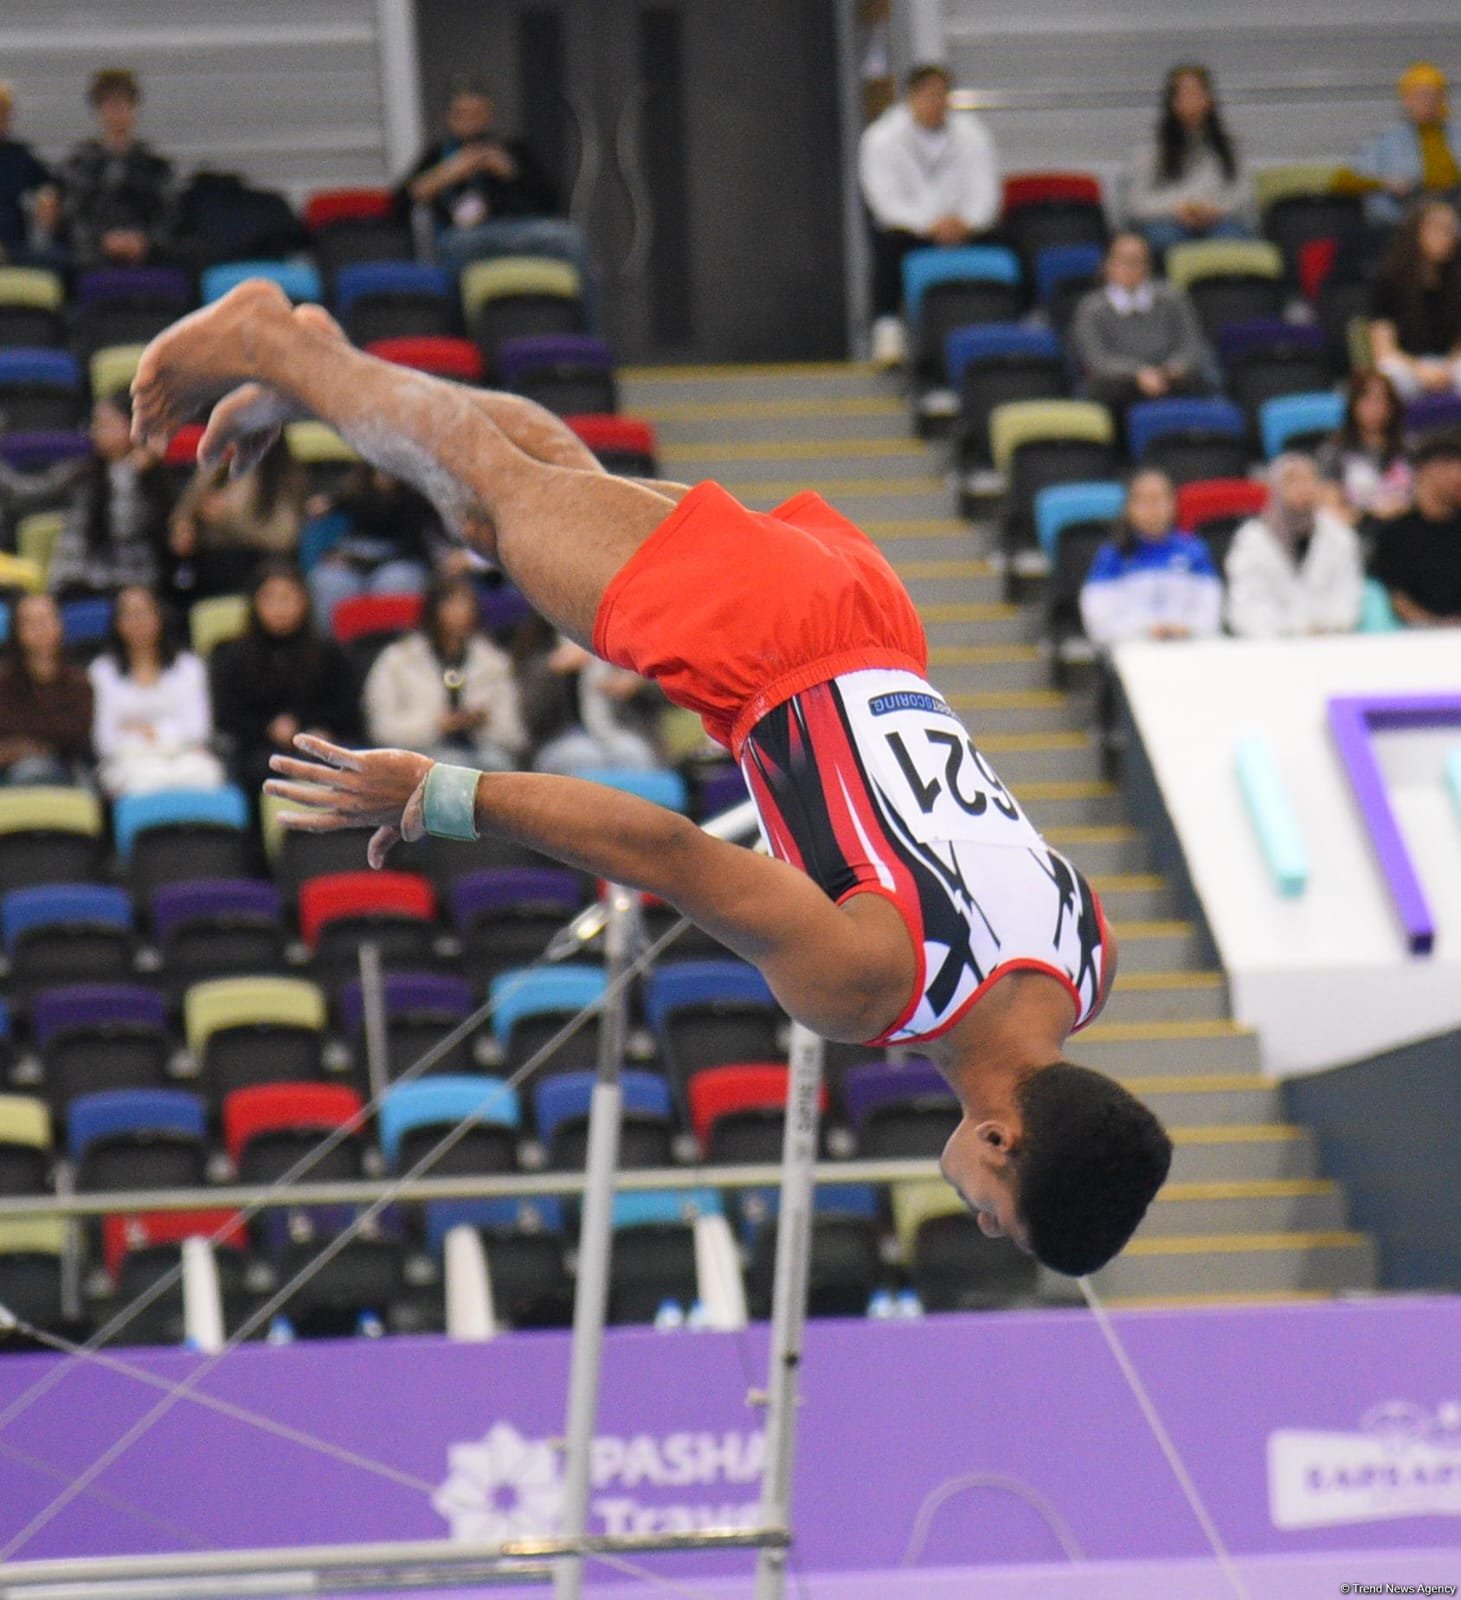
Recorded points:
(1090, 1159)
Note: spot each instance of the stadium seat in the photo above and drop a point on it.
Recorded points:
(148, 1248)
(1063, 273)
(531, 1287)
(654, 1258)
(845, 1270)
(33, 450)
(738, 1112)
(347, 226)
(137, 1139)
(561, 1105)
(441, 356)
(40, 388)
(294, 858)
(1228, 280)
(31, 1251)
(395, 300)
(376, 616)
(215, 621)
(433, 1105)
(1188, 439)
(124, 1233)
(1215, 509)
(1266, 358)
(365, 1279)
(323, 455)
(268, 1127)
(529, 1008)
(1038, 443)
(1432, 413)
(570, 374)
(31, 301)
(217, 928)
(25, 1144)
(719, 789)
(66, 933)
(421, 1009)
(1072, 522)
(1048, 209)
(394, 911)
(948, 289)
(711, 1013)
(1299, 203)
(176, 834)
(506, 917)
(325, 207)
(520, 297)
(1025, 189)
(298, 279)
(19, 577)
(127, 305)
(49, 835)
(112, 368)
(1298, 421)
(991, 364)
(97, 1036)
(36, 535)
(660, 787)
(245, 1031)
(86, 624)
(899, 1112)
(953, 1265)
(624, 445)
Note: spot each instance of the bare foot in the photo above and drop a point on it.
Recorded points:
(200, 359)
(244, 425)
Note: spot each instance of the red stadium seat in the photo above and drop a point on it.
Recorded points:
(717, 1092)
(121, 1235)
(1050, 188)
(326, 206)
(441, 356)
(615, 435)
(183, 450)
(1218, 499)
(270, 1107)
(401, 895)
(1316, 262)
(366, 614)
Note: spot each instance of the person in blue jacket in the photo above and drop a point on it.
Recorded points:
(1151, 581)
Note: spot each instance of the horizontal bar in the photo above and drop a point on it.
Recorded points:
(367, 1191)
(426, 1557)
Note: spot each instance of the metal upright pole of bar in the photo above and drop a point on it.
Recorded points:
(373, 1006)
(789, 1302)
(595, 1239)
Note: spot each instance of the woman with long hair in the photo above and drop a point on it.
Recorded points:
(1187, 181)
(1296, 568)
(1152, 580)
(446, 689)
(280, 678)
(153, 718)
(224, 526)
(1365, 459)
(1415, 334)
(45, 700)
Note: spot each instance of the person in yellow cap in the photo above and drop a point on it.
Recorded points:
(1419, 154)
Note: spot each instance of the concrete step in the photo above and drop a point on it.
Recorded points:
(1194, 1050)
(828, 460)
(924, 539)
(1229, 1154)
(1021, 758)
(860, 500)
(1056, 804)
(957, 668)
(1279, 1205)
(1336, 1260)
(986, 711)
(1208, 1099)
(1168, 946)
(1121, 848)
(938, 582)
(1188, 997)
(745, 421)
(645, 389)
(1133, 896)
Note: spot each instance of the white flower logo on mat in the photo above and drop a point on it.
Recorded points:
(501, 1488)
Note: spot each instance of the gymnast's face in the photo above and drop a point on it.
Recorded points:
(981, 1162)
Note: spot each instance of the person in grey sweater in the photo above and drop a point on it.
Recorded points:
(1137, 339)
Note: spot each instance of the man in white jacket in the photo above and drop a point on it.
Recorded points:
(929, 178)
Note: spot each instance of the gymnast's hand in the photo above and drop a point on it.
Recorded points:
(380, 789)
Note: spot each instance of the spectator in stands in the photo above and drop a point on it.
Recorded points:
(447, 690)
(582, 713)
(30, 206)
(1417, 556)
(1187, 181)
(45, 700)
(222, 527)
(1152, 581)
(1416, 331)
(487, 195)
(377, 537)
(118, 193)
(118, 514)
(152, 719)
(928, 178)
(1136, 338)
(1365, 461)
(281, 678)
(1295, 569)
(1419, 154)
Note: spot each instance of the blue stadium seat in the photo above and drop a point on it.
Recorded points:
(25, 911)
(1065, 505)
(539, 1213)
(1307, 418)
(994, 341)
(663, 788)
(1060, 263)
(432, 1102)
(41, 367)
(138, 813)
(980, 263)
(703, 983)
(568, 1095)
(367, 278)
(519, 995)
(1150, 420)
(298, 279)
(40, 389)
(649, 1207)
(132, 1111)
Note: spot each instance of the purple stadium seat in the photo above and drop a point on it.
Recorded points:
(33, 449)
(867, 1088)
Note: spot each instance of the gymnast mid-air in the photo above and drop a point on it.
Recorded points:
(907, 899)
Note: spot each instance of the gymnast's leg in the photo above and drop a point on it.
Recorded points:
(561, 534)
